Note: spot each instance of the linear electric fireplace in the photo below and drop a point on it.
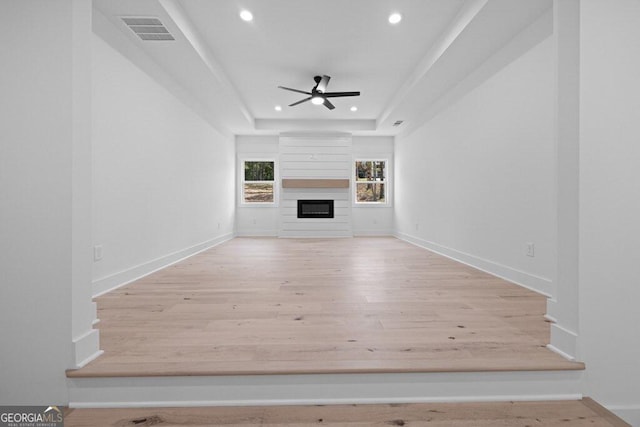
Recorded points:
(315, 208)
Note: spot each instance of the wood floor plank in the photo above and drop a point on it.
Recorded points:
(260, 305)
(508, 414)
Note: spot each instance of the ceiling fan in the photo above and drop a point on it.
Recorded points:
(318, 94)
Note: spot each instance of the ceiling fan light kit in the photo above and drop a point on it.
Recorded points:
(318, 94)
(395, 18)
(246, 16)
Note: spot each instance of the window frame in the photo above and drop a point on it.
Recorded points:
(241, 181)
(386, 181)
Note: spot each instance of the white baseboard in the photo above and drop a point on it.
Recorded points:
(535, 283)
(262, 390)
(314, 234)
(563, 341)
(629, 413)
(372, 233)
(257, 233)
(86, 348)
(552, 307)
(94, 313)
(328, 401)
(560, 352)
(274, 233)
(106, 284)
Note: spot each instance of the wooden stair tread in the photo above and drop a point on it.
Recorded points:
(577, 413)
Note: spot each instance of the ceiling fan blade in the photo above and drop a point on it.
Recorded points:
(322, 84)
(338, 94)
(294, 90)
(300, 102)
(328, 104)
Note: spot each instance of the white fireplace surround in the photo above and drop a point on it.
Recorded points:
(316, 167)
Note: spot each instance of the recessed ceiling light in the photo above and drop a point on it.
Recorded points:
(317, 100)
(278, 108)
(394, 18)
(354, 108)
(246, 15)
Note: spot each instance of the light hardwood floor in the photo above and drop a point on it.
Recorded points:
(508, 414)
(266, 305)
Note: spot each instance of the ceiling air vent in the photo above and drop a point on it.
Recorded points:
(148, 28)
(398, 122)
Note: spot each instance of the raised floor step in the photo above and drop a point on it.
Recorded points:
(325, 389)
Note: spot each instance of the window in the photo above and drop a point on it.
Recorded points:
(371, 180)
(258, 181)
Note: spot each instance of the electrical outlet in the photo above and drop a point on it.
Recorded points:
(417, 226)
(375, 221)
(218, 226)
(254, 221)
(97, 252)
(531, 249)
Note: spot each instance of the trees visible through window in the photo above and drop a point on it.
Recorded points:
(258, 182)
(371, 181)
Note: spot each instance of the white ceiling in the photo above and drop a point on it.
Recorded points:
(229, 70)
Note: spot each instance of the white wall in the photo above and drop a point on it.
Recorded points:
(45, 301)
(374, 220)
(163, 182)
(256, 220)
(609, 342)
(477, 181)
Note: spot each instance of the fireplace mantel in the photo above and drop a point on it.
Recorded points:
(315, 183)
